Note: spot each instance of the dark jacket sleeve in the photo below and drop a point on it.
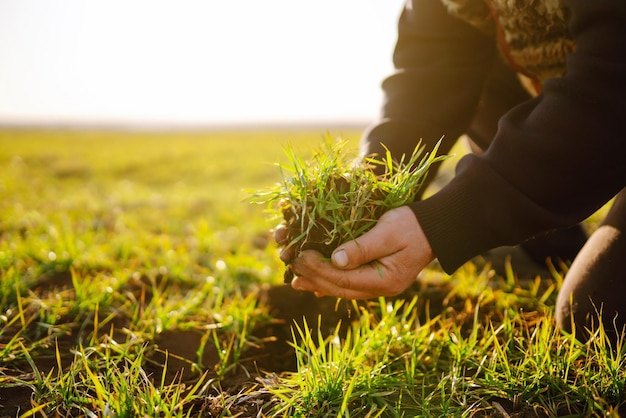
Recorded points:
(555, 160)
(441, 63)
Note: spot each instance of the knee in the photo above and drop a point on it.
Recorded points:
(591, 320)
(577, 314)
(594, 290)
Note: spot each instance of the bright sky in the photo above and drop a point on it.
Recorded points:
(194, 61)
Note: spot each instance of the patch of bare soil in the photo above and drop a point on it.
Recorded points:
(14, 400)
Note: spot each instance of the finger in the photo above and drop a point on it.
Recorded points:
(302, 283)
(363, 281)
(281, 234)
(287, 255)
(357, 286)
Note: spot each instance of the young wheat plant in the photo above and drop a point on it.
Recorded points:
(335, 196)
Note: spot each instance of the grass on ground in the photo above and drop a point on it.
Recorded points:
(136, 281)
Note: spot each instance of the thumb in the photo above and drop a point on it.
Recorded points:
(374, 244)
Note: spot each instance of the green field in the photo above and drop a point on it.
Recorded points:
(136, 280)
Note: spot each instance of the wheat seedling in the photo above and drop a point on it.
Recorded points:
(335, 197)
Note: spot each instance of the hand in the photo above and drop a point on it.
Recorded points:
(382, 262)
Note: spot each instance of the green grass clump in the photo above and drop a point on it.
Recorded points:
(335, 196)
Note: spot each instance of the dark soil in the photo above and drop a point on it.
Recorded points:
(14, 400)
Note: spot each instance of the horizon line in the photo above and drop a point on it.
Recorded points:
(360, 123)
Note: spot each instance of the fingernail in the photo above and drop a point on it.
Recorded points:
(340, 258)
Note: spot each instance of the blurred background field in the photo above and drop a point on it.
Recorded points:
(88, 196)
(160, 180)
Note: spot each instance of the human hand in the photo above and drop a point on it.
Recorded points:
(382, 262)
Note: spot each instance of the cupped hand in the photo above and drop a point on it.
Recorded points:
(382, 262)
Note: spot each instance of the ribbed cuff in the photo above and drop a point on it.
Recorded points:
(477, 211)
